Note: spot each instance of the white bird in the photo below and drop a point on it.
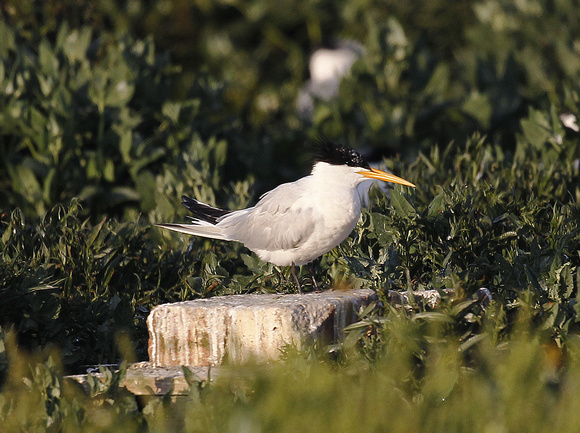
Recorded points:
(327, 67)
(296, 222)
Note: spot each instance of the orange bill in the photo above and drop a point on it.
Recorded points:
(374, 173)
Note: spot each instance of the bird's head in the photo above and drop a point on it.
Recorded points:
(341, 156)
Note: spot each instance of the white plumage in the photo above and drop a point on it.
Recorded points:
(295, 222)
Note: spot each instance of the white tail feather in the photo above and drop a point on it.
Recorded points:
(199, 228)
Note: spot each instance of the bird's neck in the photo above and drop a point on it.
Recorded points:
(334, 191)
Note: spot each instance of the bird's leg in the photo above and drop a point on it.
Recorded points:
(311, 268)
(296, 278)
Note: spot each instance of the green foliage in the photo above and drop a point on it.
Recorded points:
(102, 131)
(88, 116)
(419, 83)
(432, 71)
(67, 282)
(422, 378)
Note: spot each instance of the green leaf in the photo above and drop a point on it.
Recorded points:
(126, 144)
(47, 60)
(479, 107)
(434, 316)
(536, 129)
(533, 278)
(172, 109)
(119, 93)
(47, 187)
(472, 341)
(7, 39)
(251, 261)
(437, 205)
(109, 170)
(94, 232)
(461, 307)
(74, 43)
(565, 280)
(367, 310)
(25, 182)
(122, 194)
(401, 205)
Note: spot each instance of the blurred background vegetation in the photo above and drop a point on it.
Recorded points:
(110, 110)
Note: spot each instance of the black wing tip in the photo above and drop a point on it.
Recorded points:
(187, 200)
(202, 211)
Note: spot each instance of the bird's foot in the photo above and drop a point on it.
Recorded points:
(311, 269)
(296, 279)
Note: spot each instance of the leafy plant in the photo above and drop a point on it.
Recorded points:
(101, 134)
(88, 116)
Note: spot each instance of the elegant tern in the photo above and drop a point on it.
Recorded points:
(296, 222)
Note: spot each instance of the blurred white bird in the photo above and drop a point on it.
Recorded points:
(327, 67)
(298, 221)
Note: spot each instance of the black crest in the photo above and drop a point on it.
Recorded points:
(337, 154)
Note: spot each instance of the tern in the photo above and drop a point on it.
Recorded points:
(296, 222)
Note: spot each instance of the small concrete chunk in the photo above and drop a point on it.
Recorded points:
(142, 379)
(248, 328)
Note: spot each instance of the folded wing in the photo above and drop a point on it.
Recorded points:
(278, 221)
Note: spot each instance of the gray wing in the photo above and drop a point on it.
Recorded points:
(282, 219)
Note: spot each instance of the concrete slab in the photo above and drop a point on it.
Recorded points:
(248, 328)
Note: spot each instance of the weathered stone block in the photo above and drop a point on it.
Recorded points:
(242, 328)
